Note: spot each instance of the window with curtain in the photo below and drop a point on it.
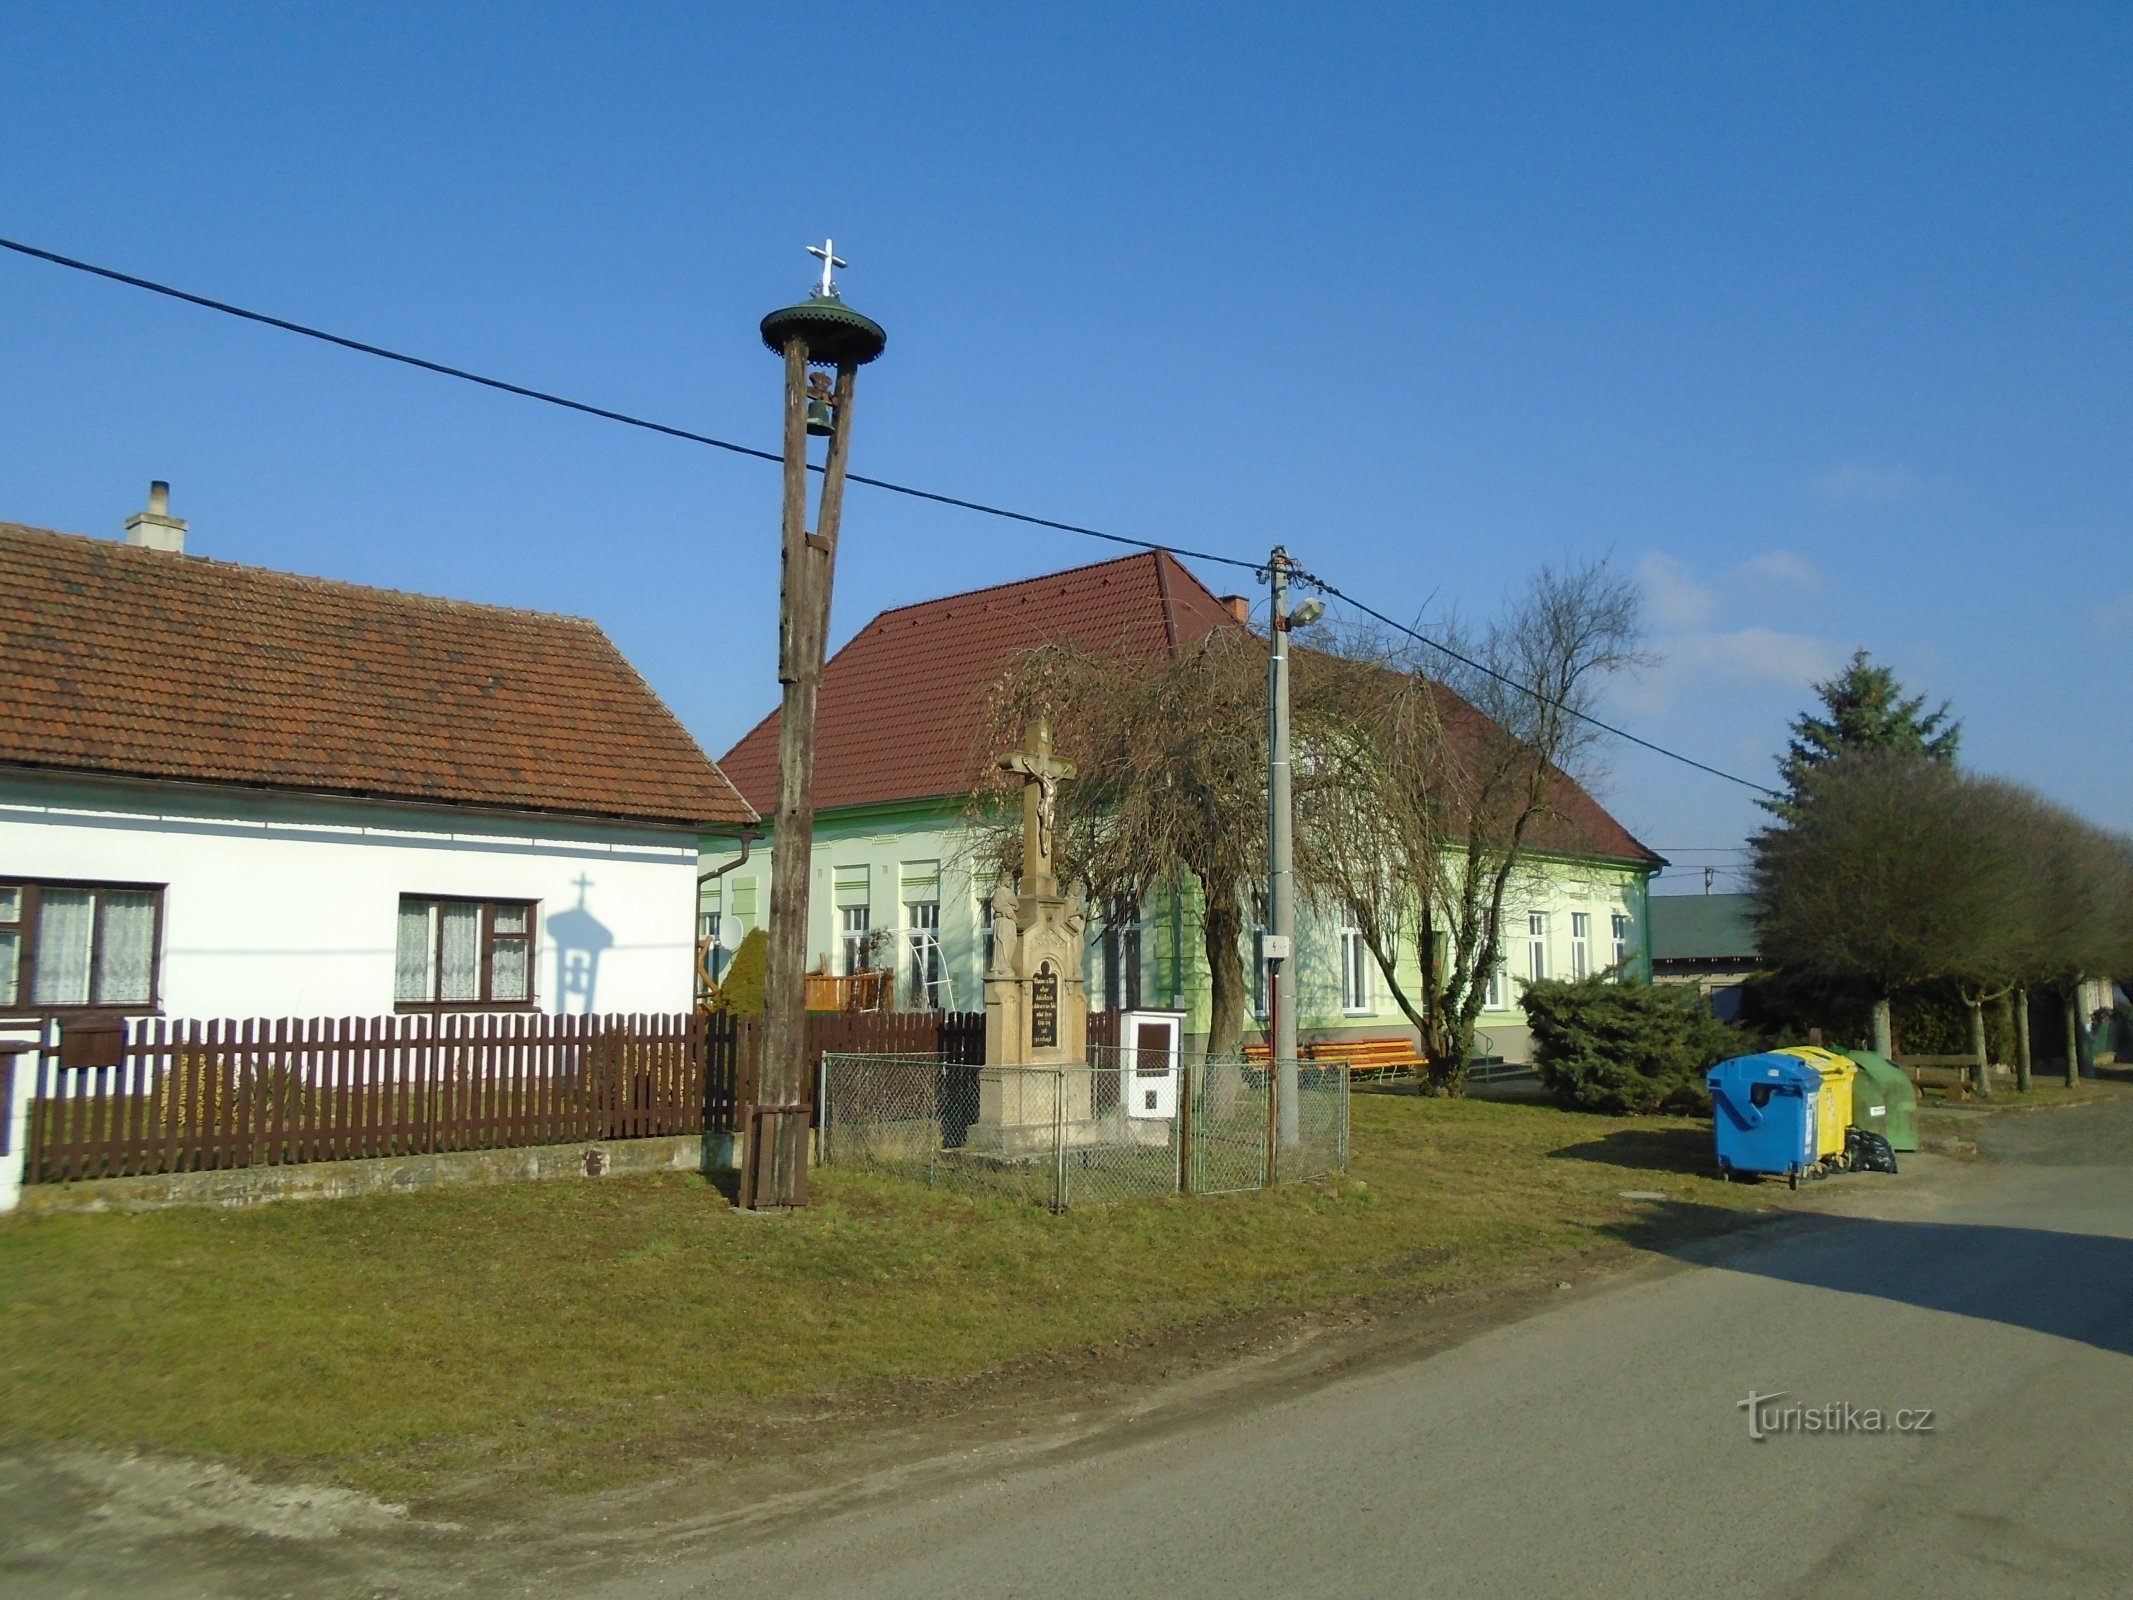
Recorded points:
(922, 930)
(1498, 995)
(1536, 946)
(854, 926)
(452, 952)
(76, 945)
(1355, 964)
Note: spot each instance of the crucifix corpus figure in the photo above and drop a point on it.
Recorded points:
(1041, 775)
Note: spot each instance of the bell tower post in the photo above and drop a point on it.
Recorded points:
(824, 343)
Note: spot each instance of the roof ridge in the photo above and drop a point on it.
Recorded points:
(1014, 583)
(191, 562)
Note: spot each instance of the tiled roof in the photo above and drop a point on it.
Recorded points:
(124, 661)
(1570, 822)
(902, 703)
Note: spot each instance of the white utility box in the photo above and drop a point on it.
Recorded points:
(1151, 1044)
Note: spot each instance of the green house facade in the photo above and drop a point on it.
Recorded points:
(896, 875)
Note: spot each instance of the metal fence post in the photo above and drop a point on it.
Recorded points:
(1059, 1132)
(1184, 1127)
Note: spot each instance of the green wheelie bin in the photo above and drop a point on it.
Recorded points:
(1883, 1100)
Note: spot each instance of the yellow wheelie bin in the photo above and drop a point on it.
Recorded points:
(1834, 1103)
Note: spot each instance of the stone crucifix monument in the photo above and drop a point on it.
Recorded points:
(1036, 1004)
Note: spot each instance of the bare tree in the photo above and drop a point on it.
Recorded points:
(1859, 884)
(1901, 870)
(1171, 785)
(1428, 783)
(2081, 904)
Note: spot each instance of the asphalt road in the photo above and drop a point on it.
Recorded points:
(1602, 1447)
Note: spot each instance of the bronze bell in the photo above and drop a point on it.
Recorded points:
(820, 411)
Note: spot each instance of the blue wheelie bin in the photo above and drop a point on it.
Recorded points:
(1764, 1110)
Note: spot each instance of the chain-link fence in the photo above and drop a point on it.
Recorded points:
(1114, 1128)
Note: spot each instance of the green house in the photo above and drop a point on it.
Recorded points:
(895, 878)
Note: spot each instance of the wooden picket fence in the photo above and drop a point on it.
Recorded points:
(116, 1100)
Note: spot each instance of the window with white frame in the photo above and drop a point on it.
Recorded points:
(455, 952)
(1121, 949)
(78, 944)
(1497, 997)
(1355, 963)
(1619, 925)
(922, 937)
(853, 927)
(1580, 943)
(1536, 946)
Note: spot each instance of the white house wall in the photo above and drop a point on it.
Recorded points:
(288, 907)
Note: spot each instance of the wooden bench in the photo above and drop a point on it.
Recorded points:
(1368, 1058)
(1956, 1072)
(1364, 1058)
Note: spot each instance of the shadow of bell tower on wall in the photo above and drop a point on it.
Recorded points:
(580, 938)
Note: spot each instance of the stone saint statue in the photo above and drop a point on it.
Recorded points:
(1004, 932)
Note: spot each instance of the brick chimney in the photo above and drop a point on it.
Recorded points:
(156, 528)
(1237, 605)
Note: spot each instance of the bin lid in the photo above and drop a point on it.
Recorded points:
(1770, 1066)
(1831, 1063)
(1880, 1070)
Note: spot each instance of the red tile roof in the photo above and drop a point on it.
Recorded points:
(901, 704)
(123, 661)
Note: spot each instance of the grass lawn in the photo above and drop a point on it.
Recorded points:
(573, 1332)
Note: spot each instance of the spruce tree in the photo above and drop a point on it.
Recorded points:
(1864, 708)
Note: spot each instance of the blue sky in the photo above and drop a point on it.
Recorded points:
(1816, 320)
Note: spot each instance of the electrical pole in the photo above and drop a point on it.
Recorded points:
(821, 332)
(1281, 864)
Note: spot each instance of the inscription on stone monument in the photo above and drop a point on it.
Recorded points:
(1044, 1009)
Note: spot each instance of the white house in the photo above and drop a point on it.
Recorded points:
(230, 792)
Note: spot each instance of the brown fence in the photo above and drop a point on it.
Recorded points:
(956, 1036)
(114, 1100)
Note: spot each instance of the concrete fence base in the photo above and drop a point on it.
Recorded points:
(339, 1180)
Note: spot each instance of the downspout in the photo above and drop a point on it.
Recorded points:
(1644, 919)
(748, 837)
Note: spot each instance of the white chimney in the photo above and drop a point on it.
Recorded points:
(156, 528)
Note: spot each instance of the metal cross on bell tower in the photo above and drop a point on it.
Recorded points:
(823, 333)
(826, 253)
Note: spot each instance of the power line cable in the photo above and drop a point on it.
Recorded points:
(623, 417)
(1325, 588)
(672, 432)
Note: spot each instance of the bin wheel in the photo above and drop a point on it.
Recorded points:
(1792, 1178)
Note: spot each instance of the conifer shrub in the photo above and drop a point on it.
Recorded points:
(742, 991)
(1626, 1049)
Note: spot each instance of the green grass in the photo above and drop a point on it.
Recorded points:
(575, 1332)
